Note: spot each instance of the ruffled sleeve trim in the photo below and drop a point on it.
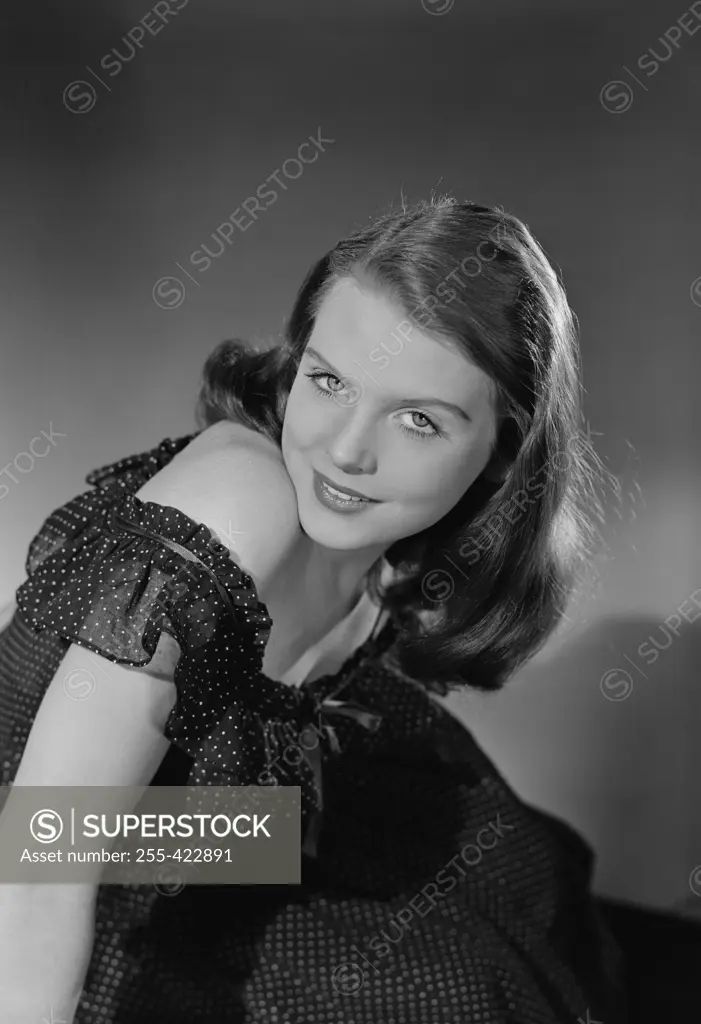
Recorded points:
(133, 569)
(196, 549)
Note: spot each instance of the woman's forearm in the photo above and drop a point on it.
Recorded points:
(46, 938)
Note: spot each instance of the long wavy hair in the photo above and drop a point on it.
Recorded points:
(499, 568)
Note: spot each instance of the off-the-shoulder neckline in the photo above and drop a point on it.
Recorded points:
(323, 686)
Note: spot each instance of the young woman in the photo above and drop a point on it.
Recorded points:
(392, 504)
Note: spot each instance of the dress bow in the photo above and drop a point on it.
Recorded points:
(321, 713)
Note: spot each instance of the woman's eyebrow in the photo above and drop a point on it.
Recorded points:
(450, 406)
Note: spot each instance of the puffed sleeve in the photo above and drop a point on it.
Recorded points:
(110, 576)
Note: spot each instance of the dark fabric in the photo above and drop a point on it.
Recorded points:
(663, 953)
(435, 895)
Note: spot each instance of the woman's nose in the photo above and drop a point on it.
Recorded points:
(352, 449)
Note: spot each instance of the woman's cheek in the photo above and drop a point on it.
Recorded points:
(420, 482)
(443, 483)
(307, 425)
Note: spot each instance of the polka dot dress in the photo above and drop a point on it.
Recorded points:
(431, 893)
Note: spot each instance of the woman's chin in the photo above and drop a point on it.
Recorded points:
(330, 535)
(340, 530)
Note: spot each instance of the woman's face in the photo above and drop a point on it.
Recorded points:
(372, 423)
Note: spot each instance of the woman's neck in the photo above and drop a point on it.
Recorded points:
(311, 568)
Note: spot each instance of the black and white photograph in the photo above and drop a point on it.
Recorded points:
(350, 489)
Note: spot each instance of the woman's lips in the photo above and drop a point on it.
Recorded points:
(343, 490)
(334, 501)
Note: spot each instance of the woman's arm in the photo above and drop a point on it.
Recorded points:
(116, 738)
(46, 937)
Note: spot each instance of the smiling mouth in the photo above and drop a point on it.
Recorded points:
(341, 495)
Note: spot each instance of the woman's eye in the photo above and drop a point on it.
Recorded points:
(316, 375)
(433, 430)
(421, 416)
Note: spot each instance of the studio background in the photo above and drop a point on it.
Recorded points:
(500, 103)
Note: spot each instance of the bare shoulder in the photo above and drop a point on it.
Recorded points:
(234, 481)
